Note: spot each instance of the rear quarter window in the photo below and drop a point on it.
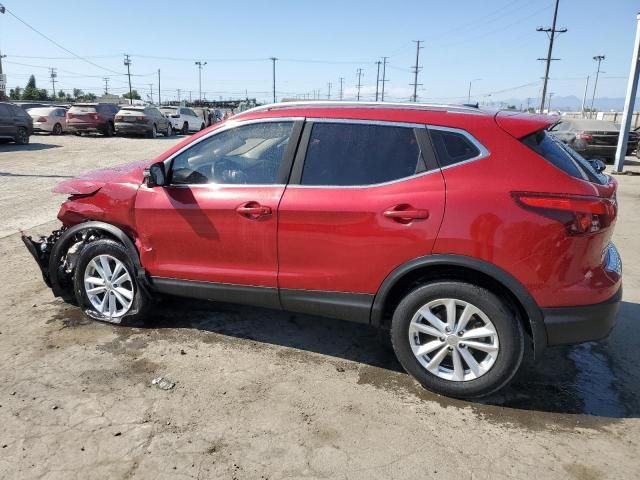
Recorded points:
(452, 147)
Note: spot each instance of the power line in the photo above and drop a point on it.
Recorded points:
(57, 44)
(552, 35)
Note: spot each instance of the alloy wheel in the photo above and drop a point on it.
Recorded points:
(453, 339)
(109, 286)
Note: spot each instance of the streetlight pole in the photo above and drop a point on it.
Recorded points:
(599, 59)
(469, 94)
(200, 64)
(3, 80)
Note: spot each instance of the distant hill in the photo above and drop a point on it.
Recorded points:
(570, 103)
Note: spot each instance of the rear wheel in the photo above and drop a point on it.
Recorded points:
(202, 126)
(22, 136)
(457, 339)
(169, 131)
(57, 129)
(105, 284)
(185, 128)
(153, 132)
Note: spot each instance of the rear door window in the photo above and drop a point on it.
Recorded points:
(452, 147)
(344, 154)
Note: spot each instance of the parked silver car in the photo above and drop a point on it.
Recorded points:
(49, 119)
(146, 121)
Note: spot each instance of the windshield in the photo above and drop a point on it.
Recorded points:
(563, 157)
(82, 109)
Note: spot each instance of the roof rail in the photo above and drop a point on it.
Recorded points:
(351, 104)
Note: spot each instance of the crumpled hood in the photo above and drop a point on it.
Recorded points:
(94, 180)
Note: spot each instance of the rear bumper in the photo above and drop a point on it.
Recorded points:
(84, 127)
(607, 151)
(584, 323)
(125, 128)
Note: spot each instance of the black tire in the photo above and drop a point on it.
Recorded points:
(185, 128)
(22, 136)
(153, 132)
(169, 131)
(141, 303)
(109, 130)
(202, 126)
(77, 134)
(57, 129)
(508, 328)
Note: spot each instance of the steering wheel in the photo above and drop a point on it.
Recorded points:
(227, 171)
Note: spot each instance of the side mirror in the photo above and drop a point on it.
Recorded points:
(155, 176)
(598, 165)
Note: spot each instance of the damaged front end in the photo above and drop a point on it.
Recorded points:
(57, 256)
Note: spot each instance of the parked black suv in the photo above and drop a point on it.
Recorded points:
(15, 124)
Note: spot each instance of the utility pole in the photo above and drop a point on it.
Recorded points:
(3, 79)
(53, 75)
(551, 32)
(359, 85)
(599, 59)
(551, 94)
(329, 92)
(106, 85)
(416, 69)
(377, 78)
(200, 64)
(151, 92)
(629, 102)
(159, 101)
(584, 97)
(273, 59)
(469, 93)
(178, 96)
(384, 76)
(341, 80)
(127, 62)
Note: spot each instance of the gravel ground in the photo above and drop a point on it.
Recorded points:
(263, 394)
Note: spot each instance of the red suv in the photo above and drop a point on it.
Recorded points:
(92, 117)
(463, 232)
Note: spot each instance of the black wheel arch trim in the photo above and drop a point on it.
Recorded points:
(507, 280)
(62, 243)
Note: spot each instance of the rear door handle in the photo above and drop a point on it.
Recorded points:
(406, 213)
(253, 210)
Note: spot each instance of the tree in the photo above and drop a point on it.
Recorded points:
(31, 91)
(61, 94)
(15, 93)
(77, 93)
(134, 94)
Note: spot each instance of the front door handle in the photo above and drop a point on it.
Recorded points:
(253, 210)
(406, 213)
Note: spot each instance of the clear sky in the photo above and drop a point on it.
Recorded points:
(318, 42)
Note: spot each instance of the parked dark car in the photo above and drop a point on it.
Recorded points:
(15, 124)
(593, 138)
(92, 117)
(391, 215)
(142, 121)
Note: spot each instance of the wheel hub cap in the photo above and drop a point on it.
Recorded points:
(109, 286)
(453, 339)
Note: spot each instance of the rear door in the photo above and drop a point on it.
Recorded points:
(7, 121)
(364, 198)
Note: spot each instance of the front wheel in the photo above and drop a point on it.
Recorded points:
(169, 131)
(108, 130)
(57, 129)
(185, 128)
(106, 286)
(457, 339)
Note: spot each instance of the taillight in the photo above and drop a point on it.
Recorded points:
(581, 215)
(175, 116)
(140, 118)
(585, 136)
(42, 119)
(94, 116)
(69, 115)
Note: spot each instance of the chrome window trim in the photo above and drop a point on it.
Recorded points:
(358, 121)
(373, 185)
(484, 152)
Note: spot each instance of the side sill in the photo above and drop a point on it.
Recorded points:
(353, 307)
(266, 297)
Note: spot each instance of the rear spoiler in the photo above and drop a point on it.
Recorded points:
(519, 124)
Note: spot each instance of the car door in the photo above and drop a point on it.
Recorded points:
(216, 220)
(364, 197)
(7, 122)
(194, 121)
